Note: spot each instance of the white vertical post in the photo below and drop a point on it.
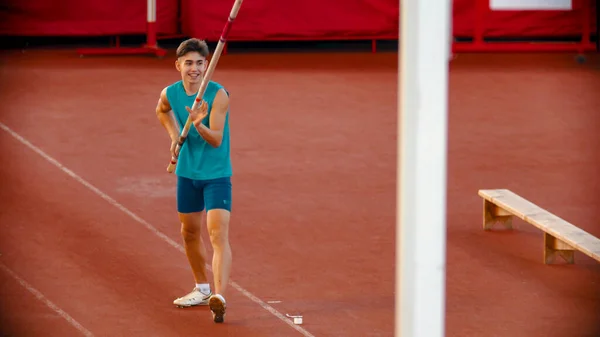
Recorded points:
(421, 188)
(151, 36)
(151, 11)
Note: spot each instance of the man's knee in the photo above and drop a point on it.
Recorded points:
(189, 235)
(218, 226)
(190, 227)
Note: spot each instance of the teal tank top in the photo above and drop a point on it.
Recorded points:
(198, 159)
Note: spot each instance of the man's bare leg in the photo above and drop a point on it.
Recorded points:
(191, 224)
(218, 230)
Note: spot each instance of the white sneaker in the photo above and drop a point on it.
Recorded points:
(217, 306)
(196, 297)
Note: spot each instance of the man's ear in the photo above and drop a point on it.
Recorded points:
(177, 66)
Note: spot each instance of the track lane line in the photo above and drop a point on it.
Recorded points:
(46, 301)
(147, 225)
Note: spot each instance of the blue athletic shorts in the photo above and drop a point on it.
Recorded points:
(196, 195)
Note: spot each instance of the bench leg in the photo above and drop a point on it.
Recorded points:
(554, 247)
(493, 214)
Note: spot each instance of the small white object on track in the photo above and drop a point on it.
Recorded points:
(297, 319)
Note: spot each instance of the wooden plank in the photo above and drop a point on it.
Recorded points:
(589, 245)
(565, 231)
(560, 238)
(551, 223)
(596, 254)
(512, 202)
(490, 194)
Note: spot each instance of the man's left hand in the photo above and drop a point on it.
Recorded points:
(198, 114)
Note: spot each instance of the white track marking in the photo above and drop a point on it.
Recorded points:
(148, 226)
(47, 302)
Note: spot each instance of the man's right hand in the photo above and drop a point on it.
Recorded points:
(174, 151)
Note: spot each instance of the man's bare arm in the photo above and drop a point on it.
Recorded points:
(166, 116)
(214, 134)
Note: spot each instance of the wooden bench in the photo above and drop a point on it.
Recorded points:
(560, 237)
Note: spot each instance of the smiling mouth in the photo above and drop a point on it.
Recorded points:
(194, 76)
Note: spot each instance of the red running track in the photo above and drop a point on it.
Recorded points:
(90, 242)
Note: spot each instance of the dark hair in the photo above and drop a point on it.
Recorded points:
(193, 45)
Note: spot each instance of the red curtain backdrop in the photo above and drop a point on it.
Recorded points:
(521, 23)
(266, 19)
(83, 18)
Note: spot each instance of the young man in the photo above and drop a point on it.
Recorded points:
(203, 172)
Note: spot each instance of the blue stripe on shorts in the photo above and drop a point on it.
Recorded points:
(196, 195)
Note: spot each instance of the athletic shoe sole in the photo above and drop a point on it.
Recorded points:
(190, 305)
(217, 306)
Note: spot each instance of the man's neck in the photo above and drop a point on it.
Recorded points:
(191, 89)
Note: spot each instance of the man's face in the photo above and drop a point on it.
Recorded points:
(192, 67)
